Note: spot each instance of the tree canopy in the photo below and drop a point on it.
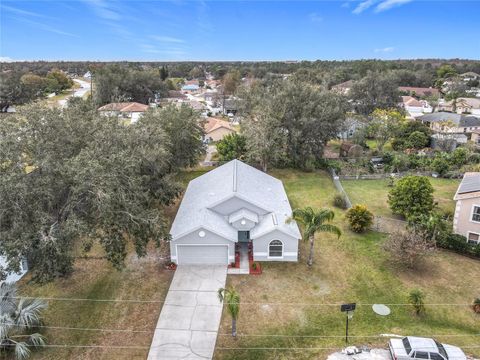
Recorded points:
(411, 197)
(72, 177)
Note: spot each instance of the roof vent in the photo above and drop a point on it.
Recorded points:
(274, 218)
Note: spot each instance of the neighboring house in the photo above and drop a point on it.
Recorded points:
(125, 110)
(229, 107)
(461, 106)
(191, 87)
(13, 277)
(216, 129)
(343, 88)
(418, 91)
(414, 107)
(476, 137)
(350, 127)
(87, 75)
(444, 122)
(469, 76)
(175, 96)
(198, 106)
(466, 221)
(234, 203)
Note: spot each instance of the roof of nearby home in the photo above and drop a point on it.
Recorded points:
(470, 73)
(233, 179)
(472, 102)
(411, 101)
(196, 105)
(420, 91)
(469, 187)
(175, 94)
(213, 124)
(190, 87)
(458, 119)
(124, 107)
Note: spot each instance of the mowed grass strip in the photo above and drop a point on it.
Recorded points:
(353, 268)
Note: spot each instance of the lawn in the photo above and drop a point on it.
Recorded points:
(293, 306)
(374, 194)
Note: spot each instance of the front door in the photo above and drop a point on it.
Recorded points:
(243, 236)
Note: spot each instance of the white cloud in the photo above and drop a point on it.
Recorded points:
(388, 49)
(21, 12)
(6, 59)
(315, 17)
(167, 39)
(44, 27)
(364, 5)
(388, 4)
(103, 10)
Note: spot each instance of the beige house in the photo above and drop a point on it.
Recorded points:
(124, 110)
(216, 129)
(467, 211)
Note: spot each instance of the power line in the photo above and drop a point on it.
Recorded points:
(241, 303)
(239, 335)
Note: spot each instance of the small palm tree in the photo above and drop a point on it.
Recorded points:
(17, 318)
(417, 299)
(313, 221)
(232, 299)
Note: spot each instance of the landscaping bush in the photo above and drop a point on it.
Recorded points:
(359, 218)
(340, 201)
(407, 248)
(411, 197)
(417, 299)
(476, 306)
(458, 243)
(440, 165)
(474, 158)
(459, 156)
(417, 140)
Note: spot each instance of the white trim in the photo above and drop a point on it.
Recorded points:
(204, 228)
(471, 232)
(471, 214)
(275, 257)
(173, 257)
(228, 250)
(260, 253)
(290, 253)
(281, 229)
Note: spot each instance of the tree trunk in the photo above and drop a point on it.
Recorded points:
(310, 256)
(234, 327)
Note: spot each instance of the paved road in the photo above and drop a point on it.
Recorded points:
(188, 323)
(80, 92)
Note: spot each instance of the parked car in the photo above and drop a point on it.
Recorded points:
(411, 347)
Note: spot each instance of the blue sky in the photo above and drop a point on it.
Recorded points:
(238, 30)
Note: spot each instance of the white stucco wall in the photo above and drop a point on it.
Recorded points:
(290, 247)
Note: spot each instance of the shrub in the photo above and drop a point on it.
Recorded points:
(476, 306)
(440, 165)
(407, 248)
(412, 196)
(417, 140)
(459, 156)
(474, 158)
(359, 218)
(417, 299)
(459, 244)
(340, 201)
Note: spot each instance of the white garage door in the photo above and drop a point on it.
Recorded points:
(202, 254)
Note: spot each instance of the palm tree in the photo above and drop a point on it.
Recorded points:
(313, 221)
(232, 299)
(17, 318)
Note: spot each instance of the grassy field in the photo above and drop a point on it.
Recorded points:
(374, 194)
(288, 298)
(293, 301)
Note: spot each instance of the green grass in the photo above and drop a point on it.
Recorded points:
(374, 194)
(353, 268)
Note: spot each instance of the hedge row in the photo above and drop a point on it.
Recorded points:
(459, 244)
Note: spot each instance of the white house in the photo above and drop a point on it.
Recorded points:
(233, 203)
(414, 107)
(126, 110)
(13, 277)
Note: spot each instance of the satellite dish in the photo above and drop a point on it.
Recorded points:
(381, 309)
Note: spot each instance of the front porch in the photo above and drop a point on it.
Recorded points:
(244, 264)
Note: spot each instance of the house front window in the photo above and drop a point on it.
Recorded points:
(275, 249)
(473, 238)
(476, 214)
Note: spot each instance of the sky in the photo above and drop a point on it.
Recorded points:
(159, 30)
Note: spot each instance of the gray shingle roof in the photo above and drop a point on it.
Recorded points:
(234, 179)
(458, 119)
(470, 183)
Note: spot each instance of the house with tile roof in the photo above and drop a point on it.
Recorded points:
(234, 203)
(466, 220)
(414, 107)
(216, 129)
(131, 111)
(462, 105)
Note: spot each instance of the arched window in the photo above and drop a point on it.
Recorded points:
(275, 248)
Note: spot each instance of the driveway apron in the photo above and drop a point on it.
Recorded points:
(188, 323)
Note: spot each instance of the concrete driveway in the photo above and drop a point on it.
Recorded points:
(188, 323)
